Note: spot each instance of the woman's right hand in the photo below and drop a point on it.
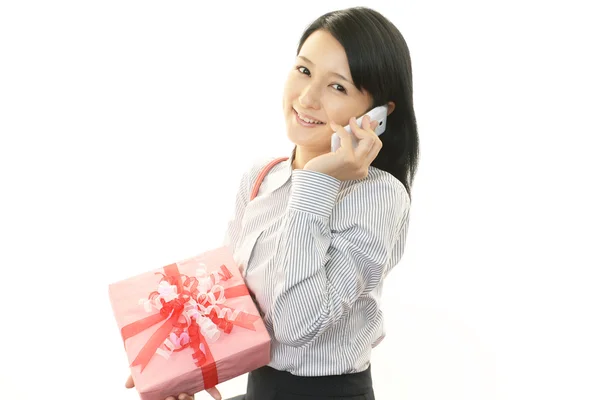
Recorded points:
(214, 392)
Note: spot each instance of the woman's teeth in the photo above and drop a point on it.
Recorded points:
(310, 121)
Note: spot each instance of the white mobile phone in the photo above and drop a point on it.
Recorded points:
(376, 114)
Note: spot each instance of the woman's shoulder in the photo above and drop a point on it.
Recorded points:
(255, 167)
(380, 188)
(380, 177)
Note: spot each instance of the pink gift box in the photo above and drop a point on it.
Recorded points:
(189, 325)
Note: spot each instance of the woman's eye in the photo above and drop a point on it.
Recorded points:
(341, 88)
(301, 70)
(305, 71)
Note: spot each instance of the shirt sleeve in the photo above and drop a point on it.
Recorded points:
(323, 272)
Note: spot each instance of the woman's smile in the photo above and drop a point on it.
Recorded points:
(306, 121)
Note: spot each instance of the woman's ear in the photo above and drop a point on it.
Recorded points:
(391, 107)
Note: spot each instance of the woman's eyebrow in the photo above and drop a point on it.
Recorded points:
(333, 73)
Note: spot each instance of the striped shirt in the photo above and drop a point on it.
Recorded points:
(314, 252)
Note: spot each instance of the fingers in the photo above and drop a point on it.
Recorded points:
(214, 392)
(364, 130)
(129, 384)
(368, 143)
(345, 138)
(377, 145)
(374, 152)
(182, 396)
(372, 142)
(366, 137)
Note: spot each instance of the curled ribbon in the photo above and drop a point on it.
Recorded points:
(192, 313)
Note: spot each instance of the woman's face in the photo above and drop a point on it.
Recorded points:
(320, 88)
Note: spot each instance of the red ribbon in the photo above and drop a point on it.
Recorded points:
(171, 311)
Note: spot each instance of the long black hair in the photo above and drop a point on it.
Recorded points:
(380, 63)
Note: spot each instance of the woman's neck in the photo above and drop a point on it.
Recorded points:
(303, 156)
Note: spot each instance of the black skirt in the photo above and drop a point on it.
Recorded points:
(267, 383)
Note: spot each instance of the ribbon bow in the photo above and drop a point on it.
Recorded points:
(192, 310)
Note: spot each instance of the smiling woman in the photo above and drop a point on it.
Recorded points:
(319, 89)
(348, 62)
(327, 227)
(317, 239)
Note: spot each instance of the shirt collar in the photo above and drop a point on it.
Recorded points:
(279, 175)
(290, 160)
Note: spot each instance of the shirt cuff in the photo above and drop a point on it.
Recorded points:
(313, 192)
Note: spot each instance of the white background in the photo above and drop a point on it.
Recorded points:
(126, 125)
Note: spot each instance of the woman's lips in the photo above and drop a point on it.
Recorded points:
(303, 123)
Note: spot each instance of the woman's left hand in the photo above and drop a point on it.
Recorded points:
(349, 163)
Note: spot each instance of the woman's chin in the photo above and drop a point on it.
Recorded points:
(312, 145)
(306, 138)
(302, 140)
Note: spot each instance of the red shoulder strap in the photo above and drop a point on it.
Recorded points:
(262, 175)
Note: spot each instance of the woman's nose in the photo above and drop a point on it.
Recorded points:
(310, 98)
